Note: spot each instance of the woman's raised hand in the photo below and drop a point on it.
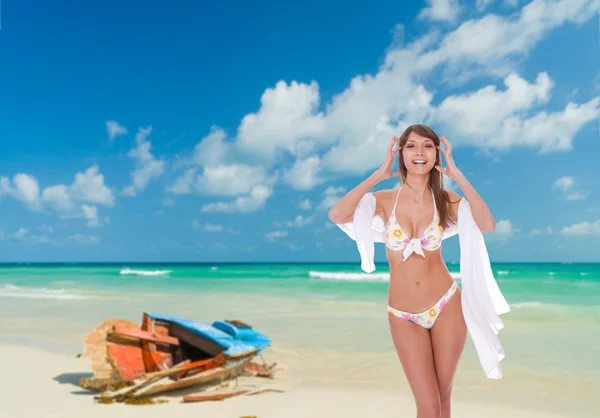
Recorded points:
(386, 168)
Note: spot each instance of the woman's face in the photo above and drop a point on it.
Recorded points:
(419, 154)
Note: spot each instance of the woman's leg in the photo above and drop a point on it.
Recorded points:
(448, 336)
(413, 345)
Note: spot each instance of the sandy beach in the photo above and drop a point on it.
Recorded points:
(329, 335)
(41, 384)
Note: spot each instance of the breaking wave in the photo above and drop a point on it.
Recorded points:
(12, 291)
(367, 277)
(131, 272)
(358, 277)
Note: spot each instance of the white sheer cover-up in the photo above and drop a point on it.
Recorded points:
(482, 301)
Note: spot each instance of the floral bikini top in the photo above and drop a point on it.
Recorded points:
(397, 240)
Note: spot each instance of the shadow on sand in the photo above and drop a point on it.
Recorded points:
(73, 379)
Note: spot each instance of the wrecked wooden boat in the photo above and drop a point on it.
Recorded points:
(165, 353)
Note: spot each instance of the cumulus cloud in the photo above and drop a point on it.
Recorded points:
(288, 119)
(298, 222)
(71, 201)
(504, 230)
(332, 195)
(481, 5)
(304, 174)
(586, 228)
(317, 141)
(147, 166)
(565, 184)
(276, 235)
(441, 10)
(305, 204)
(114, 129)
(254, 200)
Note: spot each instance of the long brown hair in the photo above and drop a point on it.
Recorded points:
(436, 181)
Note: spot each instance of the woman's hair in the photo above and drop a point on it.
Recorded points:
(436, 181)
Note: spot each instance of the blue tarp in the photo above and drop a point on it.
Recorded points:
(234, 340)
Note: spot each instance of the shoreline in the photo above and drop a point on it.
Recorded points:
(51, 379)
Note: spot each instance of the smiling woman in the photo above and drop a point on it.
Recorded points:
(428, 313)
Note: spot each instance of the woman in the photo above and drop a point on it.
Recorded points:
(425, 305)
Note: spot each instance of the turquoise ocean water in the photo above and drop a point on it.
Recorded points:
(328, 319)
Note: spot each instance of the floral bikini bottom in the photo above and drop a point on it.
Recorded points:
(427, 318)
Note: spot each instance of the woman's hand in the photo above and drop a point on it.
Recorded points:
(386, 168)
(451, 170)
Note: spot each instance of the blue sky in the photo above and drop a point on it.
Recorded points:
(132, 131)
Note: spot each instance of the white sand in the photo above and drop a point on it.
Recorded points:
(38, 384)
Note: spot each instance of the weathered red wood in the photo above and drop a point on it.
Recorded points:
(145, 335)
(152, 360)
(199, 366)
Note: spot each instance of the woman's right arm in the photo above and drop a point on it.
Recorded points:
(343, 211)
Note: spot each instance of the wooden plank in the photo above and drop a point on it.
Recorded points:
(216, 397)
(142, 383)
(202, 364)
(145, 335)
(221, 373)
(225, 395)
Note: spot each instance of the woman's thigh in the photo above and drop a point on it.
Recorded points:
(414, 348)
(448, 336)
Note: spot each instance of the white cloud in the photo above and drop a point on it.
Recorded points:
(91, 214)
(220, 180)
(576, 196)
(26, 189)
(504, 230)
(565, 185)
(481, 5)
(147, 166)
(84, 239)
(305, 204)
(230, 180)
(212, 149)
(19, 234)
(114, 129)
(492, 41)
(254, 200)
(582, 229)
(349, 134)
(332, 195)
(287, 121)
(168, 202)
(298, 222)
(276, 235)
(441, 10)
(498, 119)
(89, 187)
(212, 227)
(535, 232)
(46, 228)
(304, 174)
(450, 184)
(66, 201)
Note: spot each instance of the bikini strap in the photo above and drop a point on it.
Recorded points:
(435, 211)
(394, 208)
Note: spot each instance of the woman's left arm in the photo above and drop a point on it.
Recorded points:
(481, 214)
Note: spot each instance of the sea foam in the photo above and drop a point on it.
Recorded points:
(131, 272)
(359, 277)
(12, 291)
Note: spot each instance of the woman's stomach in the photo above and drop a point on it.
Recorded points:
(417, 283)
